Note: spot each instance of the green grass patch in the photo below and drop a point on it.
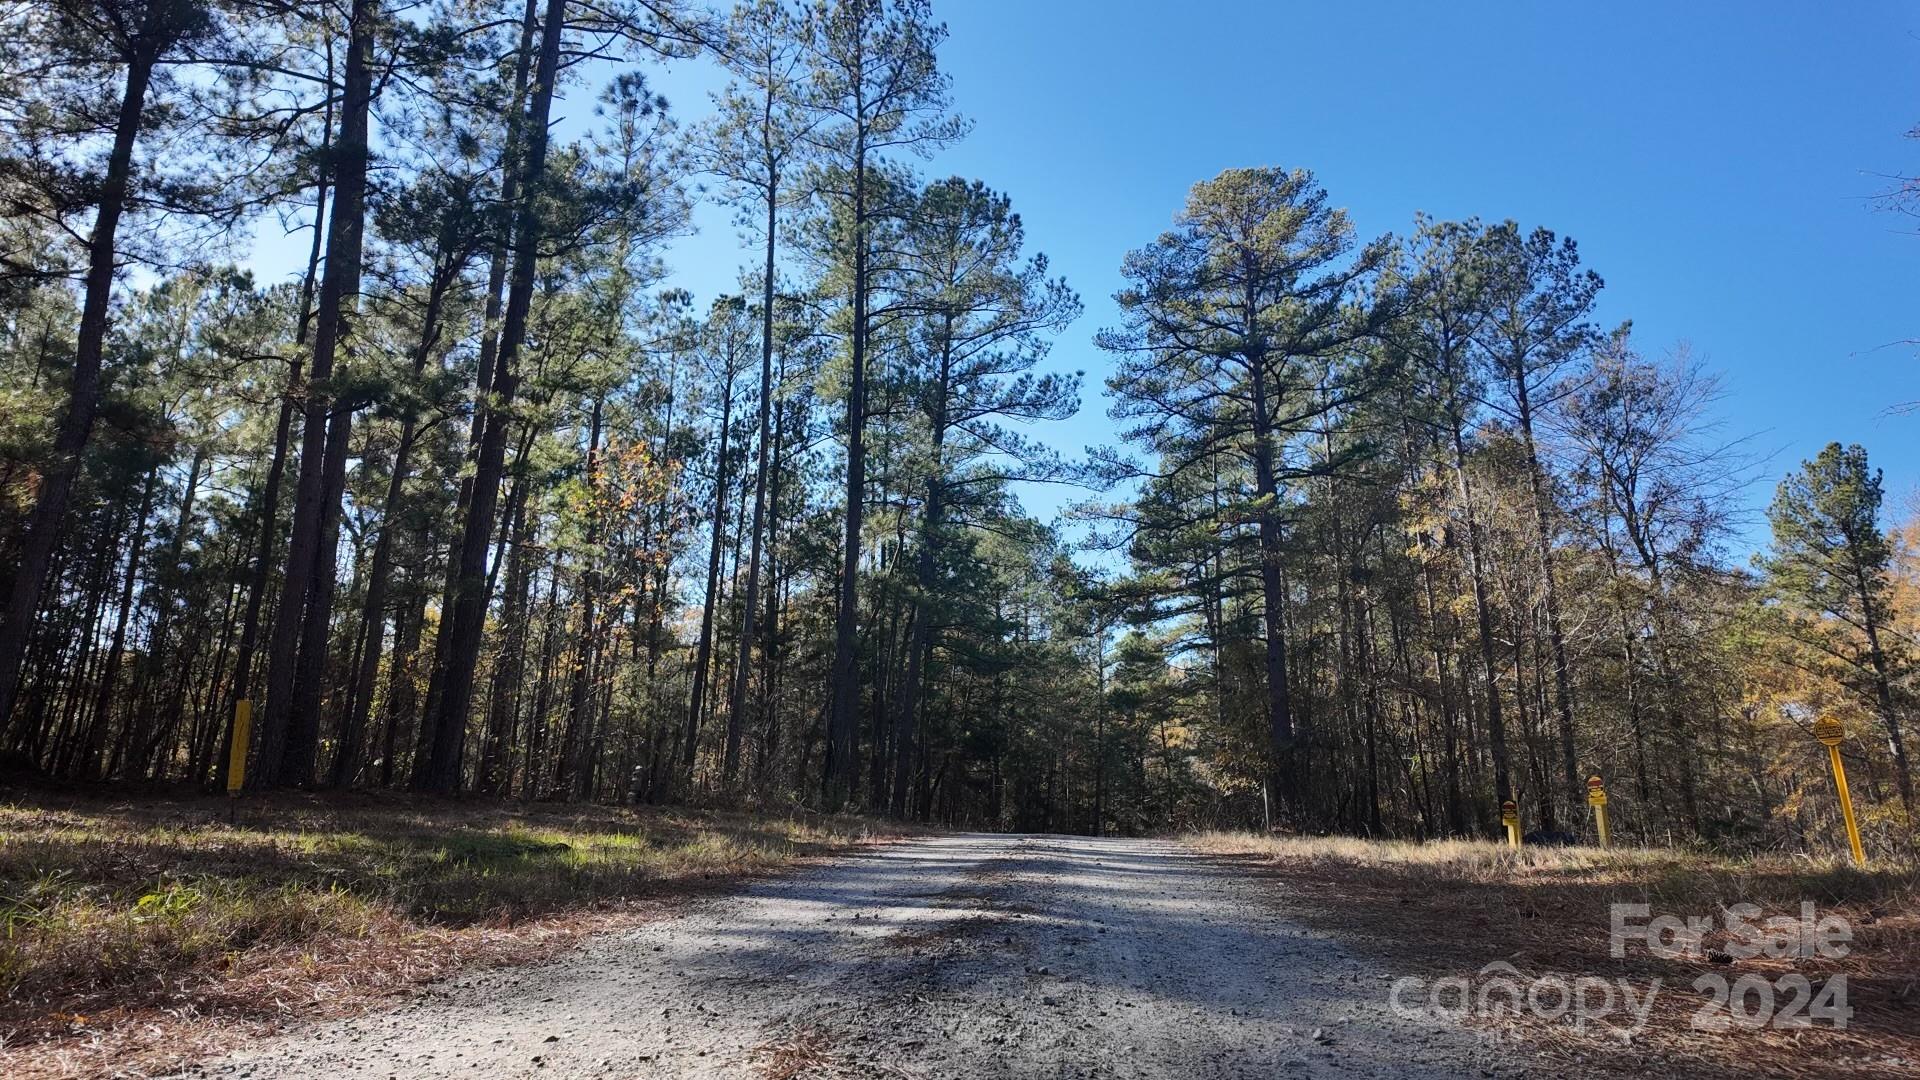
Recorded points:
(99, 900)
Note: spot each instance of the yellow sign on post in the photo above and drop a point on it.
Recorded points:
(1597, 798)
(237, 757)
(1829, 730)
(1510, 817)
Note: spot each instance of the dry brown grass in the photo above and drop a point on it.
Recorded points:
(148, 931)
(807, 1052)
(1450, 908)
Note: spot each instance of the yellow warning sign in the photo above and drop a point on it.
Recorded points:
(1828, 729)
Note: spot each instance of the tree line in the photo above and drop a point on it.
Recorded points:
(1395, 530)
(1417, 536)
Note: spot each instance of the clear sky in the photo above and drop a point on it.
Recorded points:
(1714, 161)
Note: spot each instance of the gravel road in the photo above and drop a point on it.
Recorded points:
(961, 956)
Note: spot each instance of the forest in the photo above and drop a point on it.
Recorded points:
(1390, 528)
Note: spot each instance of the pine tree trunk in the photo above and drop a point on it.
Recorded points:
(770, 654)
(44, 525)
(402, 685)
(1550, 594)
(243, 663)
(440, 772)
(300, 756)
(494, 777)
(54, 754)
(703, 654)
(576, 762)
(373, 618)
(926, 563)
(844, 714)
(157, 646)
(1482, 607)
(1282, 778)
(276, 471)
(88, 766)
(282, 754)
(1883, 697)
(749, 611)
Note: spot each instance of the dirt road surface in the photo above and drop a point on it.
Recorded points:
(960, 956)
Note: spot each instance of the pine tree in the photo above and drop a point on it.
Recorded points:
(1830, 559)
(877, 82)
(101, 73)
(1240, 326)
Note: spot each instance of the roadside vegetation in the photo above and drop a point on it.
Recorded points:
(145, 926)
(1450, 909)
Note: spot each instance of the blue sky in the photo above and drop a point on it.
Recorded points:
(1714, 161)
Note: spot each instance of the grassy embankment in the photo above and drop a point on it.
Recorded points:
(134, 932)
(1450, 909)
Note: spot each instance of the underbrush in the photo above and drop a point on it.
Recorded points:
(115, 913)
(1475, 911)
(1655, 876)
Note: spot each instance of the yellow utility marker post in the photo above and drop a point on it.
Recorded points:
(1829, 730)
(1597, 798)
(1510, 817)
(237, 757)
